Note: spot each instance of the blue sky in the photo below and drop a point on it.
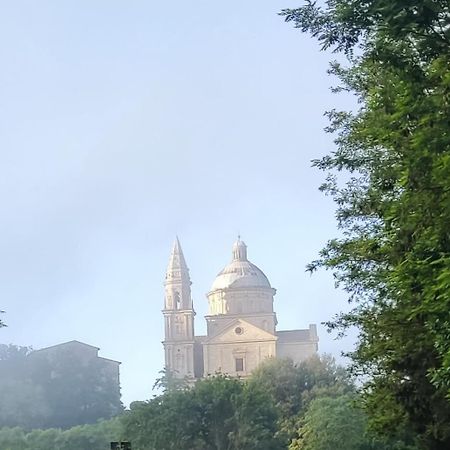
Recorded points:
(123, 124)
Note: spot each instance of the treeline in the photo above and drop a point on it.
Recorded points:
(311, 406)
(84, 437)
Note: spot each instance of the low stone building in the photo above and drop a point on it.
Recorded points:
(241, 322)
(78, 386)
(83, 355)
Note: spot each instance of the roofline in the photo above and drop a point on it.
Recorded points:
(64, 343)
(109, 359)
(232, 324)
(242, 288)
(242, 316)
(292, 331)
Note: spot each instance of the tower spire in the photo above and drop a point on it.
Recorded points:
(178, 315)
(177, 268)
(178, 282)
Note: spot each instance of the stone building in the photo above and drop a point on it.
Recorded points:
(241, 322)
(82, 355)
(72, 385)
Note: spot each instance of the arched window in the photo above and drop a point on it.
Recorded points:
(177, 300)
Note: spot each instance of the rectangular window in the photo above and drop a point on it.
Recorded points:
(239, 364)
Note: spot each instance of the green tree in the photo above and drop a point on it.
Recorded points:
(13, 439)
(394, 206)
(85, 437)
(22, 402)
(170, 421)
(235, 415)
(216, 414)
(292, 387)
(169, 382)
(13, 361)
(335, 423)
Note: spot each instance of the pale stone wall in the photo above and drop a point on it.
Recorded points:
(216, 324)
(83, 355)
(180, 358)
(297, 351)
(241, 340)
(221, 358)
(298, 345)
(240, 301)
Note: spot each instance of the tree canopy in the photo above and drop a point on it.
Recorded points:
(216, 414)
(281, 406)
(331, 423)
(266, 411)
(83, 437)
(393, 203)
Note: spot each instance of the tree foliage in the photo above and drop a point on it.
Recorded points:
(263, 412)
(280, 406)
(85, 437)
(216, 414)
(22, 402)
(292, 387)
(394, 205)
(331, 423)
(168, 381)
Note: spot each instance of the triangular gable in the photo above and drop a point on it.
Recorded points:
(66, 344)
(250, 333)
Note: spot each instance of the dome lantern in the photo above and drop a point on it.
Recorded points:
(240, 273)
(239, 250)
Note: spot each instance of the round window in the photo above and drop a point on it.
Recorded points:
(238, 330)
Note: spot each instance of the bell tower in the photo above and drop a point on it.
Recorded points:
(178, 316)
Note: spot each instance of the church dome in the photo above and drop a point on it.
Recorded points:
(240, 273)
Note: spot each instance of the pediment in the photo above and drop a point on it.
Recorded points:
(241, 331)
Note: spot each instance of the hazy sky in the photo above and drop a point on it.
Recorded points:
(123, 124)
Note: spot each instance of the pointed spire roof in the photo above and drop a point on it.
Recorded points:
(177, 267)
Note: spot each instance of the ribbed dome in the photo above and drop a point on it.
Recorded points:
(240, 273)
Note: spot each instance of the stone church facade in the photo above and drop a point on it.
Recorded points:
(241, 322)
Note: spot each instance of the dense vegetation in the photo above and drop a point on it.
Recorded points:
(393, 203)
(281, 406)
(62, 392)
(85, 437)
